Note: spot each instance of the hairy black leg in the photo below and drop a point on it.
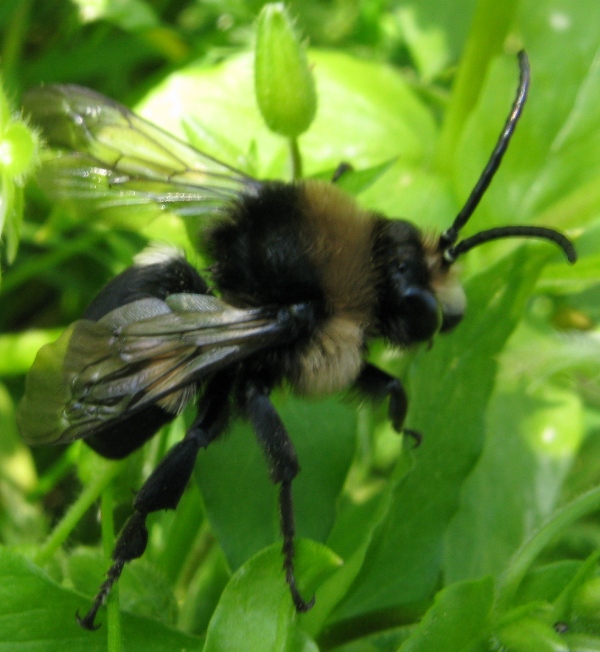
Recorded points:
(283, 466)
(165, 486)
(288, 530)
(377, 384)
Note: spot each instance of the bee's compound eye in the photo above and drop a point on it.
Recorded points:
(423, 314)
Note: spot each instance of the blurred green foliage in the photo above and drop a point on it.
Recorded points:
(484, 538)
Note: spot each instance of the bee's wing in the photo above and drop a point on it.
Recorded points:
(108, 158)
(149, 351)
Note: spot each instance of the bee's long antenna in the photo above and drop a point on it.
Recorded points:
(449, 237)
(452, 253)
(447, 247)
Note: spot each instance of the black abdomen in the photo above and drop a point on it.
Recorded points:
(262, 254)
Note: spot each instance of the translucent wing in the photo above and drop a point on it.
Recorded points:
(149, 351)
(110, 159)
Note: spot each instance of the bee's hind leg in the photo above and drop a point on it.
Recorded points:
(165, 486)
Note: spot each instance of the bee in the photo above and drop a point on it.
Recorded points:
(302, 281)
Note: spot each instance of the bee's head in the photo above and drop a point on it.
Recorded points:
(420, 294)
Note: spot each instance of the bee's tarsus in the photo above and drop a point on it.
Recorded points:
(415, 435)
(288, 529)
(113, 574)
(87, 622)
(378, 385)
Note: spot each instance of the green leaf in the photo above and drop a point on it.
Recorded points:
(143, 589)
(255, 612)
(38, 614)
(531, 635)
(532, 441)
(524, 557)
(458, 620)
(387, 639)
(427, 45)
(583, 643)
(356, 526)
(545, 583)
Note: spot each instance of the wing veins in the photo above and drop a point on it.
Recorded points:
(106, 148)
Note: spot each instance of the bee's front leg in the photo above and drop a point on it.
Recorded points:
(376, 385)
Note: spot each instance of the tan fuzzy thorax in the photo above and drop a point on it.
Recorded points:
(340, 234)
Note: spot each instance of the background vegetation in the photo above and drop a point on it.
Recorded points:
(484, 538)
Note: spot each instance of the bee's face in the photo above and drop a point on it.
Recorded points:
(420, 295)
(408, 310)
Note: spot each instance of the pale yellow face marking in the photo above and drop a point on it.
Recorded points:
(444, 280)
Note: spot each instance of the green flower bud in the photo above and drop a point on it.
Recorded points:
(18, 149)
(18, 156)
(18, 143)
(285, 87)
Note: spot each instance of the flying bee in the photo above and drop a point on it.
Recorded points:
(302, 281)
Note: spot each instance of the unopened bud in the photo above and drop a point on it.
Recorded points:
(285, 87)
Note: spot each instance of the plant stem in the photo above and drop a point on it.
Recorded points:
(14, 39)
(296, 159)
(490, 25)
(108, 541)
(54, 474)
(86, 499)
(526, 554)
